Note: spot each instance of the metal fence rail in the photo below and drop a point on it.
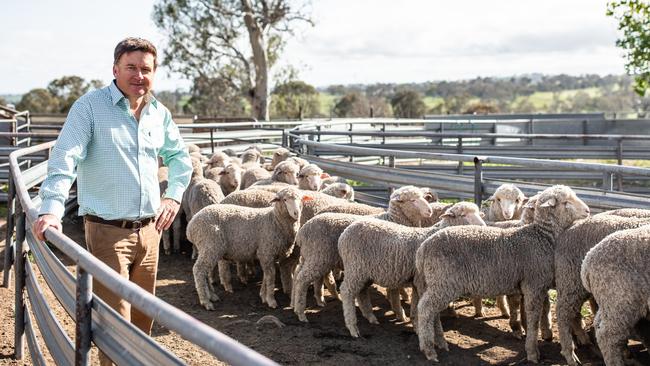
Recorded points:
(95, 321)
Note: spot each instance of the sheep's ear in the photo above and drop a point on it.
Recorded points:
(222, 172)
(482, 214)
(307, 198)
(448, 214)
(275, 199)
(551, 202)
(324, 175)
(431, 197)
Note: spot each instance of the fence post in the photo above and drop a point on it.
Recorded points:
(83, 311)
(478, 180)
(9, 237)
(391, 164)
(608, 181)
(531, 130)
(350, 129)
(459, 151)
(212, 139)
(284, 138)
(318, 128)
(619, 158)
(19, 267)
(584, 132)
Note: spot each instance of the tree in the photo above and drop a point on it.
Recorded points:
(408, 104)
(633, 18)
(352, 104)
(69, 88)
(215, 97)
(233, 41)
(39, 101)
(295, 99)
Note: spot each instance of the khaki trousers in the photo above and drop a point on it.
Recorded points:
(133, 253)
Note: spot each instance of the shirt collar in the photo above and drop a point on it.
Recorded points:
(116, 95)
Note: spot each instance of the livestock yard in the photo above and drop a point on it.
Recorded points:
(458, 159)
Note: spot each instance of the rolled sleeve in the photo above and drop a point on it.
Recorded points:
(175, 157)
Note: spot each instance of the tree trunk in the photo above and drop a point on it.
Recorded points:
(260, 97)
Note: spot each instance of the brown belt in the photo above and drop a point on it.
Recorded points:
(124, 224)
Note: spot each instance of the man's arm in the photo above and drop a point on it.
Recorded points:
(70, 148)
(175, 156)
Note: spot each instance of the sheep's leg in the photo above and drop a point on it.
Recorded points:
(478, 307)
(503, 306)
(366, 306)
(213, 291)
(287, 268)
(200, 271)
(403, 294)
(440, 334)
(545, 320)
(396, 304)
(268, 282)
(514, 302)
(318, 291)
(176, 233)
(533, 299)
(304, 276)
(419, 286)
(611, 335)
(567, 307)
(241, 273)
(426, 327)
(330, 283)
(224, 275)
(350, 288)
(166, 242)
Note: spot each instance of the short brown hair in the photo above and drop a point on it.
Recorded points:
(132, 44)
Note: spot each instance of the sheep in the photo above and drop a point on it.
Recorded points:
(229, 178)
(173, 242)
(255, 198)
(376, 251)
(617, 272)
(252, 175)
(251, 158)
(309, 178)
(198, 156)
(298, 161)
(223, 232)
(204, 192)
(285, 172)
(353, 208)
(193, 148)
(570, 251)
(318, 240)
(453, 262)
(626, 212)
(504, 205)
(219, 159)
(340, 190)
(279, 155)
(437, 209)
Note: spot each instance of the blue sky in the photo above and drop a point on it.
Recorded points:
(354, 41)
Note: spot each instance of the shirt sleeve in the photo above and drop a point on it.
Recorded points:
(175, 156)
(70, 148)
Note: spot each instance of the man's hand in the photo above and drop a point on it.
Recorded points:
(166, 213)
(43, 223)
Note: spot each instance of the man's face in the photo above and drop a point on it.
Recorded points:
(134, 73)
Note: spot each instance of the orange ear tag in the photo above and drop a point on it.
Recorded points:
(307, 198)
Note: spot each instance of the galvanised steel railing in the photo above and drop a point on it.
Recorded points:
(95, 321)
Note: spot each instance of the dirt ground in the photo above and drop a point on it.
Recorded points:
(324, 340)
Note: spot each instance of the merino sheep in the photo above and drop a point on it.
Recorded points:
(286, 172)
(223, 232)
(168, 241)
(617, 272)
(279, 155)
(252, 175)
(204, 192)
(219, 159)
(376, 251)
(353, 208)
(340, 190)
(255, 198)
(298, 161)
(230, 179)
(318, 241)
(505, 204)
(309, 178)
(571, 248)
(193, 148)
(452, 263)
(626, 212)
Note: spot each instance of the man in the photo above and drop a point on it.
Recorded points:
(111, 140)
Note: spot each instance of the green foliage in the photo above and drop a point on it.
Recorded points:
(67, 89)
(408, 104)
(633, 18)
(295, 100)
(352, 104)
(3, 101)
(39, 101)
(215, 97)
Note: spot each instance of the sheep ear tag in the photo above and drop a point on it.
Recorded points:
(324, 175)
(307, 198)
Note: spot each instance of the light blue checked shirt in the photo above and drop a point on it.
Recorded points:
(116, 158)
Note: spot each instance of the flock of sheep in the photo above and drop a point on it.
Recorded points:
(291, 215)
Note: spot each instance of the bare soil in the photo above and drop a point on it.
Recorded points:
(324, 340)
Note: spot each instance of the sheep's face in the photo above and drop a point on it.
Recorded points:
(508, 199)
(279, 156)
(421, 206)
(463, 213)
(409, 196)
(430, 195)
(219, 159)
(561, 203)
(311, 182)
(286, 172)
(290, 200)
(230, 177)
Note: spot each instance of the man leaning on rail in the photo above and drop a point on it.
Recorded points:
(110, 142)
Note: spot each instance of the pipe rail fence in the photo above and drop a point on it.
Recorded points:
(95, 321)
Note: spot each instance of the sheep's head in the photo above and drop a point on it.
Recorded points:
(462, 213)
(290, 199)
(286, 172)
(298, 161)
(340, 190)
(250, 156)
(528, 210)
(193, 148)
(219, 159)
(309, 177)
(430, 195)
(230, 177)
(197, 168)
(506, 200)
(411, 199)
(561, 205)
(281, 154)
